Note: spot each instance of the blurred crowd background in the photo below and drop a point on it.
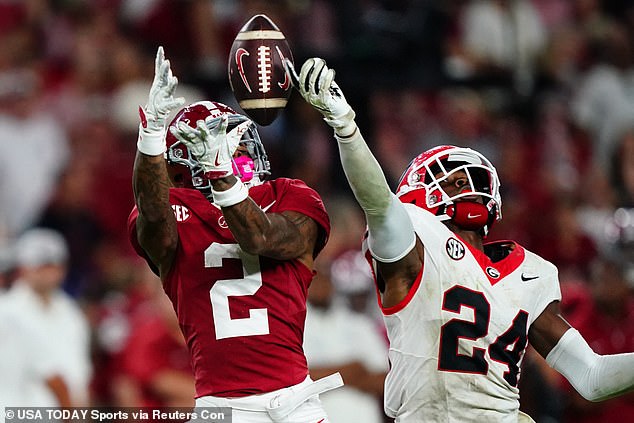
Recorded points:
(543, 88)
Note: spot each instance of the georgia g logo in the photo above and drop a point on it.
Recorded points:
(455, 249)
(493, 272)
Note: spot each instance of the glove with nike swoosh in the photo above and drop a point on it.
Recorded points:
(211, 145)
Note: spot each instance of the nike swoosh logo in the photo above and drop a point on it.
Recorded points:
(264, 209)
(528, 278)
(239, 54)
(472, 216)
(287, 81)
(216, 162)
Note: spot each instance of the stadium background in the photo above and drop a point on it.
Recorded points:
(544, 88)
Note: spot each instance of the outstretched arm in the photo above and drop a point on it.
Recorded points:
(282, 236)
(391, 234)
(596, 377)
(156, 225)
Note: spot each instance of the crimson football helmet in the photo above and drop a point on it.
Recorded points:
(420, 184)
(252, 166)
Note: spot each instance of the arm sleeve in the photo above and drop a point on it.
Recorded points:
(596, 377)
(391, 234)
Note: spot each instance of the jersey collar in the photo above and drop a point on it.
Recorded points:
(496, 271)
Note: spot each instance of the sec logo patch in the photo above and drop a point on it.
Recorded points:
(455, 249)
(180, 212)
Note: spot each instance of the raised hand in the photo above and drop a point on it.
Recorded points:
(211, 144)
(316, 84)
(161, 103)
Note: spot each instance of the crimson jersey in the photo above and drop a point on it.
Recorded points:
(242, 315)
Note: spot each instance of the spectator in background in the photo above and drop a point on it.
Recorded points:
(337, 338)
(125, 302)
(6, 267)
(500, 40)
(563, 240)
(156, 369)
(603, 103)
(191, 29)
(130, 65)
(622, 174)
(37, 147)
(347, 227)
(25, 363)
(36, 300)
(605, 318)
(463, 119)
(352, 281)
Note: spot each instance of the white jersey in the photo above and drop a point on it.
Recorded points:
(458, 339)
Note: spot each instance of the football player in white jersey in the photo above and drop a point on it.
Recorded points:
(459, 312)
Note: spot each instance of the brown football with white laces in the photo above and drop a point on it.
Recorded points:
(256, 71)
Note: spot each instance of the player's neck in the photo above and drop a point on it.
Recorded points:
(472, 237)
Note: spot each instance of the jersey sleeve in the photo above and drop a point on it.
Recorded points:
(550, 289)
(547, 288)
(134, 214)
(295, 195)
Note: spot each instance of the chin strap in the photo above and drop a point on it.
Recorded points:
(468, 215)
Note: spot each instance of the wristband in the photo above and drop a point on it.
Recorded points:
(234, 195)
(151, 142)
(350, 130)
(344, 125)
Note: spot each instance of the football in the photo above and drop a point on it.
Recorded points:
(256, 71)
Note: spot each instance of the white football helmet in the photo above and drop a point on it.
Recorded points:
(420, 184)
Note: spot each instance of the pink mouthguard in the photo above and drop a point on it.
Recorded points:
(243, 168)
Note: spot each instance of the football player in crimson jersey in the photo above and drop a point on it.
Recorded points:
(234, 253)
(459, 312)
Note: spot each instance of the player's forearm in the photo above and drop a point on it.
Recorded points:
(151, 187)
(156, 225)
(267, 234)
(596, 377)
(259, 233)
(391, 232)
(364, 174)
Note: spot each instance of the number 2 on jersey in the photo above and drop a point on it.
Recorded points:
(451, 332)
(258, 322)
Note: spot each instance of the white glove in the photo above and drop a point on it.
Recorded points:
(211, 145)
(161, 103)
(316, 83)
